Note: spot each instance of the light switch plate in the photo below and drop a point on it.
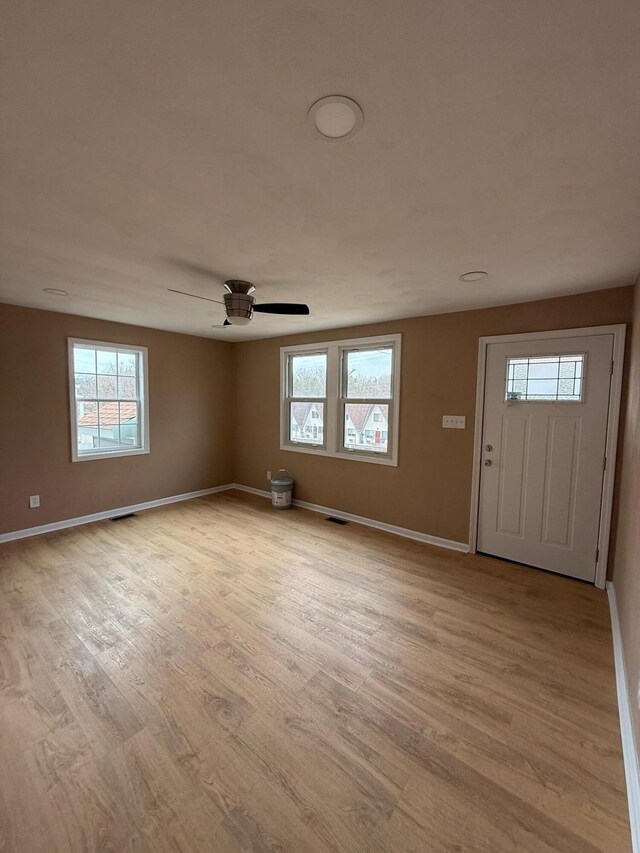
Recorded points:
(34, 501)
(454, 422)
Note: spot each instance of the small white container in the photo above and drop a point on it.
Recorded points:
(281, 490)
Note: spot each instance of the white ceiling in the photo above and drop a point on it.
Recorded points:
(140, 137)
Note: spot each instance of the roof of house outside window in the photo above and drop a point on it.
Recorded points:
(359, 414)
(109, 415)
(300, 412)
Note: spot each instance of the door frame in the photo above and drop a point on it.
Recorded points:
(613, 419)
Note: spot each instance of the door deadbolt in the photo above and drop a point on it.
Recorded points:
(487, 462)
(489, 448)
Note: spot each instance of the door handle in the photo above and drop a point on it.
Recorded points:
(488, 462)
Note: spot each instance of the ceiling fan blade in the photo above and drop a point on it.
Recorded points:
(282, 308)
(195, 296)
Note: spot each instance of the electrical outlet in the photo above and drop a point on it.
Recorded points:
(34, 501)
(268, 475)
(454, 422)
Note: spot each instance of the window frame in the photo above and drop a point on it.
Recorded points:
(333, 434)
(142, 398)
(366, 401)
(287, 385)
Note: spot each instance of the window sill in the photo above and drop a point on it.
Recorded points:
(91, 457)
(342, 454)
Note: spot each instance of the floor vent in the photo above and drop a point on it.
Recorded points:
(336, 520)
(122, 517)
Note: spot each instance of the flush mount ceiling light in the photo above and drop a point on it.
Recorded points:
(474, 275)
(55, 290)
(335, 118)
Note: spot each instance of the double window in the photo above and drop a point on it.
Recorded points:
(341, 398)
(108, 395)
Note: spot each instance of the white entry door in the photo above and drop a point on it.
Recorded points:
(543, 451)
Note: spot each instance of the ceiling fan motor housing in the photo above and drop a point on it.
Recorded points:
(237, 285)
(239, 308)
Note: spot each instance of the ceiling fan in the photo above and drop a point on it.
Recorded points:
(240, 305)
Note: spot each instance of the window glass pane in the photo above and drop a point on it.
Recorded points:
(129, 425)
(84, 360)
(308, 375)
(108, 425)
(543, 370)
(87, 426)
(550, 378)
(306, 423)
(85, 385)
(126, 387)
(107, 386)
(368, 373)
(366, 427)
(127, 363)
(109, 438)
(106, 361)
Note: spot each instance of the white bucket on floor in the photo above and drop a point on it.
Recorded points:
(281, 490)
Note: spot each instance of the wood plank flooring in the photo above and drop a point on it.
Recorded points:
(215, 676)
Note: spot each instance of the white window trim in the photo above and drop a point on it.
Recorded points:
(333, 402)
(144, 400)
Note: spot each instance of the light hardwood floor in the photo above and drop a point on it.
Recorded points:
(216, 676)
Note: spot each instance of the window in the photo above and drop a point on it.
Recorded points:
(306, 397)
(341, 399)
(366, 398)
(551, 378)
(107, 389)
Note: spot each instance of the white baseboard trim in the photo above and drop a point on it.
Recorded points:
(108, 513)
(336, 513)
(261, 493)
(367, 522)
(629, 752)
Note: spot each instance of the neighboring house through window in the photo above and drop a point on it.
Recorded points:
(108, 397)
(341, 398)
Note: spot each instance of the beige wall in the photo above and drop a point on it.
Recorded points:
(429, 491)
(626, 574)
(199, 417)
(190, 400)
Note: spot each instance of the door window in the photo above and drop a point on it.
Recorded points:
(550, 378)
